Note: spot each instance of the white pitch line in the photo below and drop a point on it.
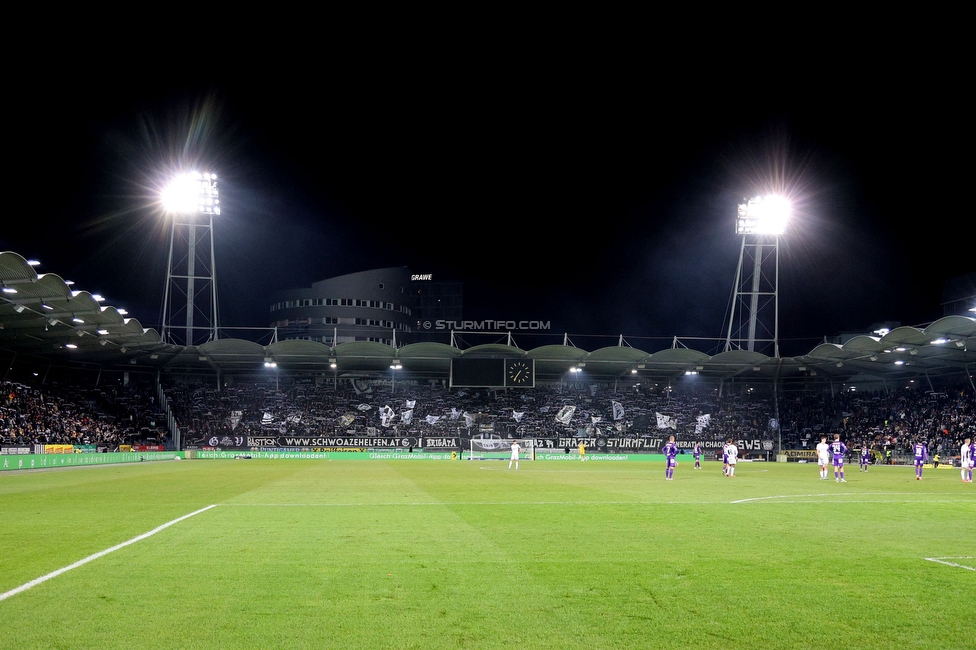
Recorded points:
(842, 495)
(55, 574)
(942, 560)
(782, 496)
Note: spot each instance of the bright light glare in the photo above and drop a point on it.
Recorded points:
(763, 216)
(192, 193)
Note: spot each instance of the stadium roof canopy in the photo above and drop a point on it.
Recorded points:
(43, 320)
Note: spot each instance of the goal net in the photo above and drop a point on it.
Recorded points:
(500, 449)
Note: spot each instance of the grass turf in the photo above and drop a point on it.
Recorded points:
(401, 554)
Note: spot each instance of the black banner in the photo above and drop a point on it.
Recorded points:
(334, 442)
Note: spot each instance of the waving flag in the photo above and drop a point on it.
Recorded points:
(618, 410)
(565, 414)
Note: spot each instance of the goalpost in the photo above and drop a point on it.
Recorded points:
(498, 449)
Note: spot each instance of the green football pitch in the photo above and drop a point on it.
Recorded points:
(467, 554)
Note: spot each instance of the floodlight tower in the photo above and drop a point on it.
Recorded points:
(754, 316)
(190, 298)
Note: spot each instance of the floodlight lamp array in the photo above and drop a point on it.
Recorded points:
(191, 193)
(762, 216)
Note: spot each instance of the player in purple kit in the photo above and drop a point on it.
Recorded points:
(865, 457)
(698, 454)
(921, 452)
(838, 449)
(670, 452)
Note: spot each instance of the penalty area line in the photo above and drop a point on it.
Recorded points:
(942, 560)
(55, 574)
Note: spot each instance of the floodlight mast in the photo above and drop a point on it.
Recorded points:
(191, 200)
(754, 314)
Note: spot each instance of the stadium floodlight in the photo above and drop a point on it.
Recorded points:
(754, 313)
(33, 263)
(191, 200)
(763, 216)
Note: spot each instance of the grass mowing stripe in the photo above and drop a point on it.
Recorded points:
(95, 556)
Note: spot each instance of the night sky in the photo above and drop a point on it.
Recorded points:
(598, 197)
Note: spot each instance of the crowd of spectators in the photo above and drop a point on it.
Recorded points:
(883, 421)
(69, 413)
(112, 415)
(424, 409)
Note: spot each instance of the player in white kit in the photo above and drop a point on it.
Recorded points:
(515, 455)
(823, 457)
(733, 456)
(967, 458)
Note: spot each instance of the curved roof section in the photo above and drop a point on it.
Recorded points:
(40, 316)
(494, 350)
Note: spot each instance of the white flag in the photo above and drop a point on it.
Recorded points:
(517, 415)
(411, 403)
(618, 410)
(432, 419)
(406, 416)
(666, 422)
(468, 420)
(596, 418)
(702, 422)
(266, 419)
(386, 416)
(565, 414)
(364, 407)
(455, 414)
